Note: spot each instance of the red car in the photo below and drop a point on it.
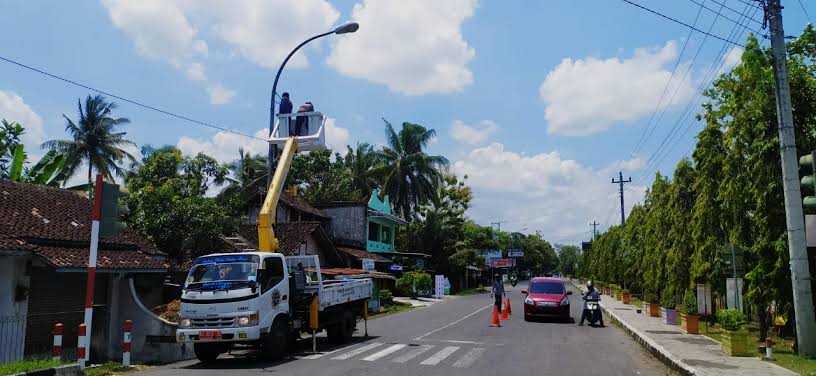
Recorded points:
(546, 297)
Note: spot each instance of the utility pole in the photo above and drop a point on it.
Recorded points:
(797, 243)
(498, 225)
(594, 225)
(621, 182)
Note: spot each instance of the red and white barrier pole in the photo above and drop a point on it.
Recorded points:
(56, 352)
(81, 342)
(89, 288)
(126, 344)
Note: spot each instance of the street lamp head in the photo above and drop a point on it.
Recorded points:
(349, 27)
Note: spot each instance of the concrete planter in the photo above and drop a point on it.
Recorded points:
(689, 323)
(651, 309)
(735, 343)
(626, 298)
(669, 315)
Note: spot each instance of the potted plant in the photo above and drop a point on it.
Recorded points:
(667, 306)
(689, 320)
(618, 294)
(650, 307)
(734, 340)
(626, 296)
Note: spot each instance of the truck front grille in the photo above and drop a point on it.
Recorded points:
(216, 322)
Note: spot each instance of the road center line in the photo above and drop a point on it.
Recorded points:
(453, 323)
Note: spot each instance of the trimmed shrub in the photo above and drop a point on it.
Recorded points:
(649, 297)
(731, 319)
(625, 291)
(386, 297)
(415, 283)
(689, 303)
(667, 299)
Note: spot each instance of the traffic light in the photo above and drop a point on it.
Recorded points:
(112, 211)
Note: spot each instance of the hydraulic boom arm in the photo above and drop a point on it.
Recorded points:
(266, 235)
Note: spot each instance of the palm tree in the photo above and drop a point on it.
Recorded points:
(96, 140)
(409, 175)
(361, 162)
(249, 178)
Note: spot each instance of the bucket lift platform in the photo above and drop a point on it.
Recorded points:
(313, 137)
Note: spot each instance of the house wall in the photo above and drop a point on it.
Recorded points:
(348, 225)
(12, 311)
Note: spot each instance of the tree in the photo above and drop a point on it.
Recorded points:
(681, 203)
(247, 186)
(9, 140)
(361, 162)
(706, 222)
(95, 139)
(320, 178)
(407, 174)
(166, 204)
(567, 259)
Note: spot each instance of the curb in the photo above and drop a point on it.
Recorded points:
(66, 370)
(653, 347)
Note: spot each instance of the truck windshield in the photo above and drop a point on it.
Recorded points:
(233, 271)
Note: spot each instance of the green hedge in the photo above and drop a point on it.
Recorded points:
(731, 319)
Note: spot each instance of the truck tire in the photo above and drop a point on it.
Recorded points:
(276, 343)
(207, 352)
(343, 331)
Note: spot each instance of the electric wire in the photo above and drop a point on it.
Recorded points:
(681, 23)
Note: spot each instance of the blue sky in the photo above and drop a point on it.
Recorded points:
(538, 102)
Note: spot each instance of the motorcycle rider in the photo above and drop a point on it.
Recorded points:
(591, 295)
(513, 280)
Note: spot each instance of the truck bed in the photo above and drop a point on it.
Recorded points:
(340, 292)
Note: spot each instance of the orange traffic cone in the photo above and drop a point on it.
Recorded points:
(495, 321)
(504, 315)
(507, 307)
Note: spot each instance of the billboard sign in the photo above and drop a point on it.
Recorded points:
(515, 253)
(503, 263)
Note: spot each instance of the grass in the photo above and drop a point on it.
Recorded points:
(111, 368)
(392, 308)
(473, 291)
(27, 365)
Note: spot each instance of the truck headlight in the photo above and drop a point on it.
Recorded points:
(185, 323)
(250, 320)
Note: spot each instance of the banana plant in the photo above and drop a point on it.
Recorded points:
(48, 171)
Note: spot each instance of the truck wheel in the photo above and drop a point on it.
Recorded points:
(206, 352)
(342, 331)
(276, 343)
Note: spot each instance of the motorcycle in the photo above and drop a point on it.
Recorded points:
(593, 309)
(513, 282)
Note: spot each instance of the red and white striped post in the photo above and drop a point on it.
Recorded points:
(56, 352)
(89, 288)
(81, 345)
(126, 344)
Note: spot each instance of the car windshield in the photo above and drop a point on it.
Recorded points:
(546, 288)
(234, 271)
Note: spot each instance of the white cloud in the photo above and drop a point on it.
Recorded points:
(543, 191)
(195, 72)
(585, 96)
(219, 94)
(337, 137)
(14, 109)
(414, 47)
(472, 134)
(732, 58)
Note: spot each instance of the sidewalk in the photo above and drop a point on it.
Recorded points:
(422, 302)
(688, 353)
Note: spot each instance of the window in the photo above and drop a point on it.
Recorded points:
(546, 288)
(273, 273)
(373, 231)
(386, 235)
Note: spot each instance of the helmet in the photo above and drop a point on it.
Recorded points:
(589, 284)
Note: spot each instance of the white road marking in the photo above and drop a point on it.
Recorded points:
(358, 351)
(453, 323)
(469, 358)
(458, 341)
(439, 356)
(384, 352)
(320, 355)
(419, 350)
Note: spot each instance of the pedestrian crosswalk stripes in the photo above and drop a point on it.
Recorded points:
(404, 353)
(439, 356)
(357, 351)
(382, 353)
(468, 359)
(417, 351)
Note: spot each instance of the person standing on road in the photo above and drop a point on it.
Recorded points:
(498, 292)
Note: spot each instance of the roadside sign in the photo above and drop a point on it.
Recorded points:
(733, 293)
(368, 264)
(704, 299)
(503, 263)
(515, 253)
(439, 286)
(395, 268)
(489, 255)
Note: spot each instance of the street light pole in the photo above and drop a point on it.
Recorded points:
(273, 149)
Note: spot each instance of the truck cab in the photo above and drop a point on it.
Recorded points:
(263, 299)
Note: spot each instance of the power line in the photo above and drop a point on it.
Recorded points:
(805, 10)
(708, 79)
(182, 117)
(736, 11)
(682, 23)
(719, 14)
(638, 145)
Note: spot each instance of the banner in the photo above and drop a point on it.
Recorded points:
(439, 290)
(515, 253)
(503, 263)
(368, 264)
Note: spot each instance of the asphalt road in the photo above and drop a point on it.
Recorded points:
(454, 338)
